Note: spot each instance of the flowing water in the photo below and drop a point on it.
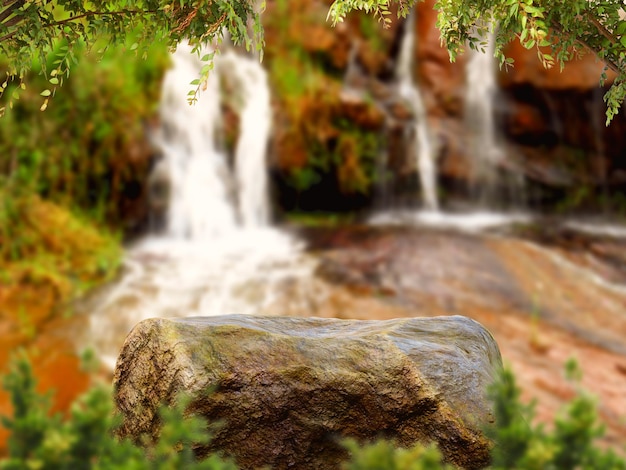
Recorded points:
(487, 156)
(425, 153)
(255, 126)
(218, 254)
(479, 118)
(545, 293)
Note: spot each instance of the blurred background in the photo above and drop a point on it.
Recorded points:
(354, 173)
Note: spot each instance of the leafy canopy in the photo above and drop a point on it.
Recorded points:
(559, 30)
(45, 34)
(46, 31)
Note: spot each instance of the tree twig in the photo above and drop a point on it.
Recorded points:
(16, 20)
(10, 9)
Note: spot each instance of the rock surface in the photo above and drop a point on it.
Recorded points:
(288, 389)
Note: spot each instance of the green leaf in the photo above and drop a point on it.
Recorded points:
(46, 93)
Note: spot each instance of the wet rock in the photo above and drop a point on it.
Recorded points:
(287, 390)
(362, 113)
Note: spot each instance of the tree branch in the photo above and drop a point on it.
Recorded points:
(611, 63)
(10, 9)
(16, 20)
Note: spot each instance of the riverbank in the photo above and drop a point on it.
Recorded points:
(49, 258)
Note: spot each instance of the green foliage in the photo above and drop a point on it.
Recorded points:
(379, 8)
(44, 441)
(50, 33)
(42, 244)
(558, 30)
(512, 432)
(88, 149)
(31, 30)
(521, 444)
(350, 157)
(384, 455)
(84, 440)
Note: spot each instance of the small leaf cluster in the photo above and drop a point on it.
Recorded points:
(379, 8)
(559, 31)
(385, 455)
(571, 444)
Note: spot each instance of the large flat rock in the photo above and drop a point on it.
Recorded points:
(287, 390)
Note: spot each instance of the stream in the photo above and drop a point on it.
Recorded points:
(547, 289)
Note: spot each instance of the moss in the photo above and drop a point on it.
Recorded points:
(48, 257)
(320, 219)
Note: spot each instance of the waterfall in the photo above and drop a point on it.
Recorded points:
(219, 255)
(255, 124)
(206, 200)
(485, 152)
(408, 89)
(479, 98)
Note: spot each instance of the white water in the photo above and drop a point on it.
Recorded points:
(408, 89)
(255, 271)
(255, 126)
(464, 222)
(219, 256)
(200, 182)
(481, 88)
(206, 198)
(491, 187)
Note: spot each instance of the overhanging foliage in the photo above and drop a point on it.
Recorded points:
(558, 30)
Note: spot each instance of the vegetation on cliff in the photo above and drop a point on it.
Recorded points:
(69, 178)
(89, 151)
(70, 185)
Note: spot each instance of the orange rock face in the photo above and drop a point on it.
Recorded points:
(443, 81)
(443, 77)
(579, 74)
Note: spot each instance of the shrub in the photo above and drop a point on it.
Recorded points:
(87, 150)
(85, 439)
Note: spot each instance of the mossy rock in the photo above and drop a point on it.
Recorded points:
(288, 390)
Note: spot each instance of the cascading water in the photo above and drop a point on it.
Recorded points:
(206, 200)
(408, 89)
(218, 255)
(479, 97)
(199, 205)
(485, 151)
(256, 118)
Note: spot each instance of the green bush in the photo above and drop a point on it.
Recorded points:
(83, 150)
(86, 440)
(384, 455)
(570, 445)
(40, 440)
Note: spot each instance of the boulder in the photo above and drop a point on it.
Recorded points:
(287, 390)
